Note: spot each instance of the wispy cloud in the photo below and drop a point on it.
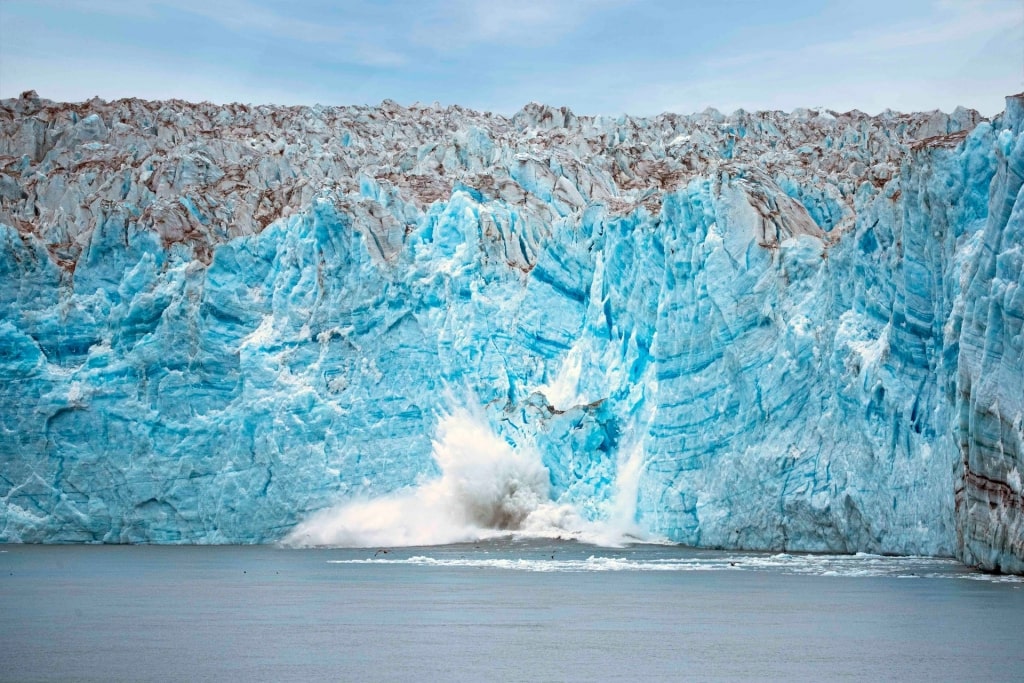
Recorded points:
(348, 41)
(458, 24)
(962, 22)
(955, 22)
(246, 16)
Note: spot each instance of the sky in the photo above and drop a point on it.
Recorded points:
(639, 57)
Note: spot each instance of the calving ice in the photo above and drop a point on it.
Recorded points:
(390, 325)
(485, 489)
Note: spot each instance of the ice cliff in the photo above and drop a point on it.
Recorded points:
(759, 330)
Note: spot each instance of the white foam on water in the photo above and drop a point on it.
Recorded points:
(487, 489)
(850, 566)
(590, 564)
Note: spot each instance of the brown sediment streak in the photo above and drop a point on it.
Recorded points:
(996, 491)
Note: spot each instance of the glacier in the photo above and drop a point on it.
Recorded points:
(763, 330)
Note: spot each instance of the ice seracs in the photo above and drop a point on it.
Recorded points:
(758, 330)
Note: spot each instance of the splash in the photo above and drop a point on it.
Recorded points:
(487, 489)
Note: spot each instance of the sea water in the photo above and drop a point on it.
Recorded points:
(500, 610)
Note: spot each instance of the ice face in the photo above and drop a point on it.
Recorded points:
(760, 331)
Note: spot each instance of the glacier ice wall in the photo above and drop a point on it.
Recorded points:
(988, 393)
(761, 330)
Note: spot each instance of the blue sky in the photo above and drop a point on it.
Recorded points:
(596, 56)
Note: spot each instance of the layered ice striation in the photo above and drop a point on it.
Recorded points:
(759, 330)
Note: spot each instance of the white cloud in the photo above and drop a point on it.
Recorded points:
(348, 42)
(457, 24)
(241, 15)
(244, 16)
(964, 23)
(956, 23)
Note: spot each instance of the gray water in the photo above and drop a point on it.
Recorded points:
(498, 611)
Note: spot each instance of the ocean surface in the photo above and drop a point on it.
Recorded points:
(501, 610)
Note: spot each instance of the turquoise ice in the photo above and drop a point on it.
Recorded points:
(760, 330)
